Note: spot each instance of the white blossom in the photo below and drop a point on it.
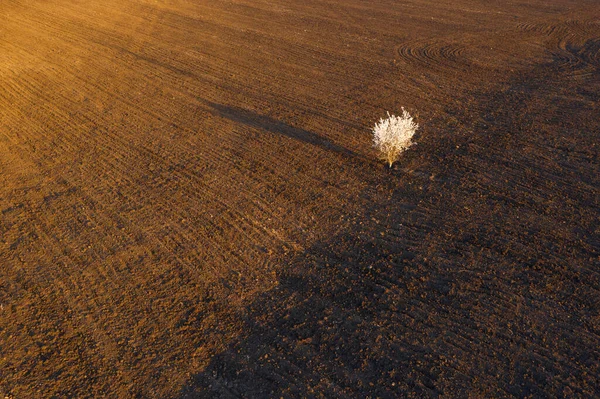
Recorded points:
(393, 135)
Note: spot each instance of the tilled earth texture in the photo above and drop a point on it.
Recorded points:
(191, 206)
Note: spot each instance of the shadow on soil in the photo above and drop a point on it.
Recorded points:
(320, 331)
(482, 287)
(252, 119)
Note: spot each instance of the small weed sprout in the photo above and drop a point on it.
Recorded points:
(393, 135)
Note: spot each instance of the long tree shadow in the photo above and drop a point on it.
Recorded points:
(258, 121)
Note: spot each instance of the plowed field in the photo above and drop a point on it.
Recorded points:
(190, 204)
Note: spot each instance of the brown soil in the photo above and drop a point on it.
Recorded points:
(190, 205)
